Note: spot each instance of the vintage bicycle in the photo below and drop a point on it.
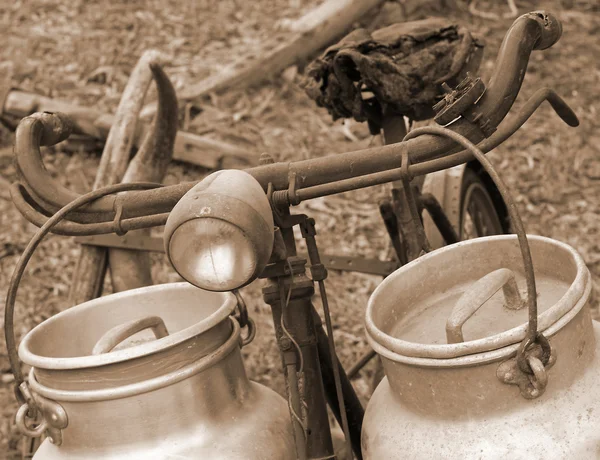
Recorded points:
(97, 392)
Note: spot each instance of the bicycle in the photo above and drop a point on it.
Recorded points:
(286, 185)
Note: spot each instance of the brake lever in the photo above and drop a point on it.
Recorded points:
(504, 131)
(561, 108)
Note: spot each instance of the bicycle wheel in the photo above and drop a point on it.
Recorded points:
(479, 212)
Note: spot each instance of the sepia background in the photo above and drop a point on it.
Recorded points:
(83, 51)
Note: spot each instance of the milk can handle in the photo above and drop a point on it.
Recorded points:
(478, 294)
(117, 334)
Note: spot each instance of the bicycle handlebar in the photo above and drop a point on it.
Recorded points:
(532, 31)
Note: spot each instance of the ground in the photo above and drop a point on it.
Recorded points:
(83, 51)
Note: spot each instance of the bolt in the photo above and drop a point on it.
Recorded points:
(285, 343)
(437, 108)
(467, 82)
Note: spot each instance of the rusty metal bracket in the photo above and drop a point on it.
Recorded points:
(461, 102)
(532, 385)
(49, 416)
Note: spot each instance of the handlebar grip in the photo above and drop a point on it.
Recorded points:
(550, 30)
(55, 127)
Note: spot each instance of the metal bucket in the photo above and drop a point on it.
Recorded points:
(111, 388)
(453, 389)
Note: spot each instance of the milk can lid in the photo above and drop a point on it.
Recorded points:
(89, 334)
(470, 298)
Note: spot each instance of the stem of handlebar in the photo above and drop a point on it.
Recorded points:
(531, 31)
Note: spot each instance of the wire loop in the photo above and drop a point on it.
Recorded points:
(118, 206)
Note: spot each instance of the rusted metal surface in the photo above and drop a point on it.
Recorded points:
(289, 295)
(402, 65)
(131, 269)
(40, 416)
(531, 384)
(359, 169)
(458, 101)
(530, 31)
(319, 274)
(354, 410)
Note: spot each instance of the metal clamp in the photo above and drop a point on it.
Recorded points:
(523, 356)
(407, 176)
(287, 197)
(244, 319)
(456, 102)
(250, 335)
(532, 382)
(38, 416)
(118, 207)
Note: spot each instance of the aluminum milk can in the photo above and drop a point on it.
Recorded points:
(152, 373)
(449, 339)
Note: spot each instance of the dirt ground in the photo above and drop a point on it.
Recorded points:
(83, 51)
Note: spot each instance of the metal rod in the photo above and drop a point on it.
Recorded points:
(165, 199)
(354, 410)
(319, 274)
(290, 360)
(391, 225)
(362, 362)
(299, 313)
(439, 217)
(335, 366)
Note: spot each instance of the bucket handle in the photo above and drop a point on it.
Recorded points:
(478, 294)
(117, 334)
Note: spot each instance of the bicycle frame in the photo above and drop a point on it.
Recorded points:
(288, 184)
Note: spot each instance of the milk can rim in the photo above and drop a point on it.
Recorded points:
(44, 362)
(569, 302)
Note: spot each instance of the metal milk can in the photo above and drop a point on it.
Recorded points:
(449, 328)
(151, 373)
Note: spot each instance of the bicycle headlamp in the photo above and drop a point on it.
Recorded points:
(219, 236)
